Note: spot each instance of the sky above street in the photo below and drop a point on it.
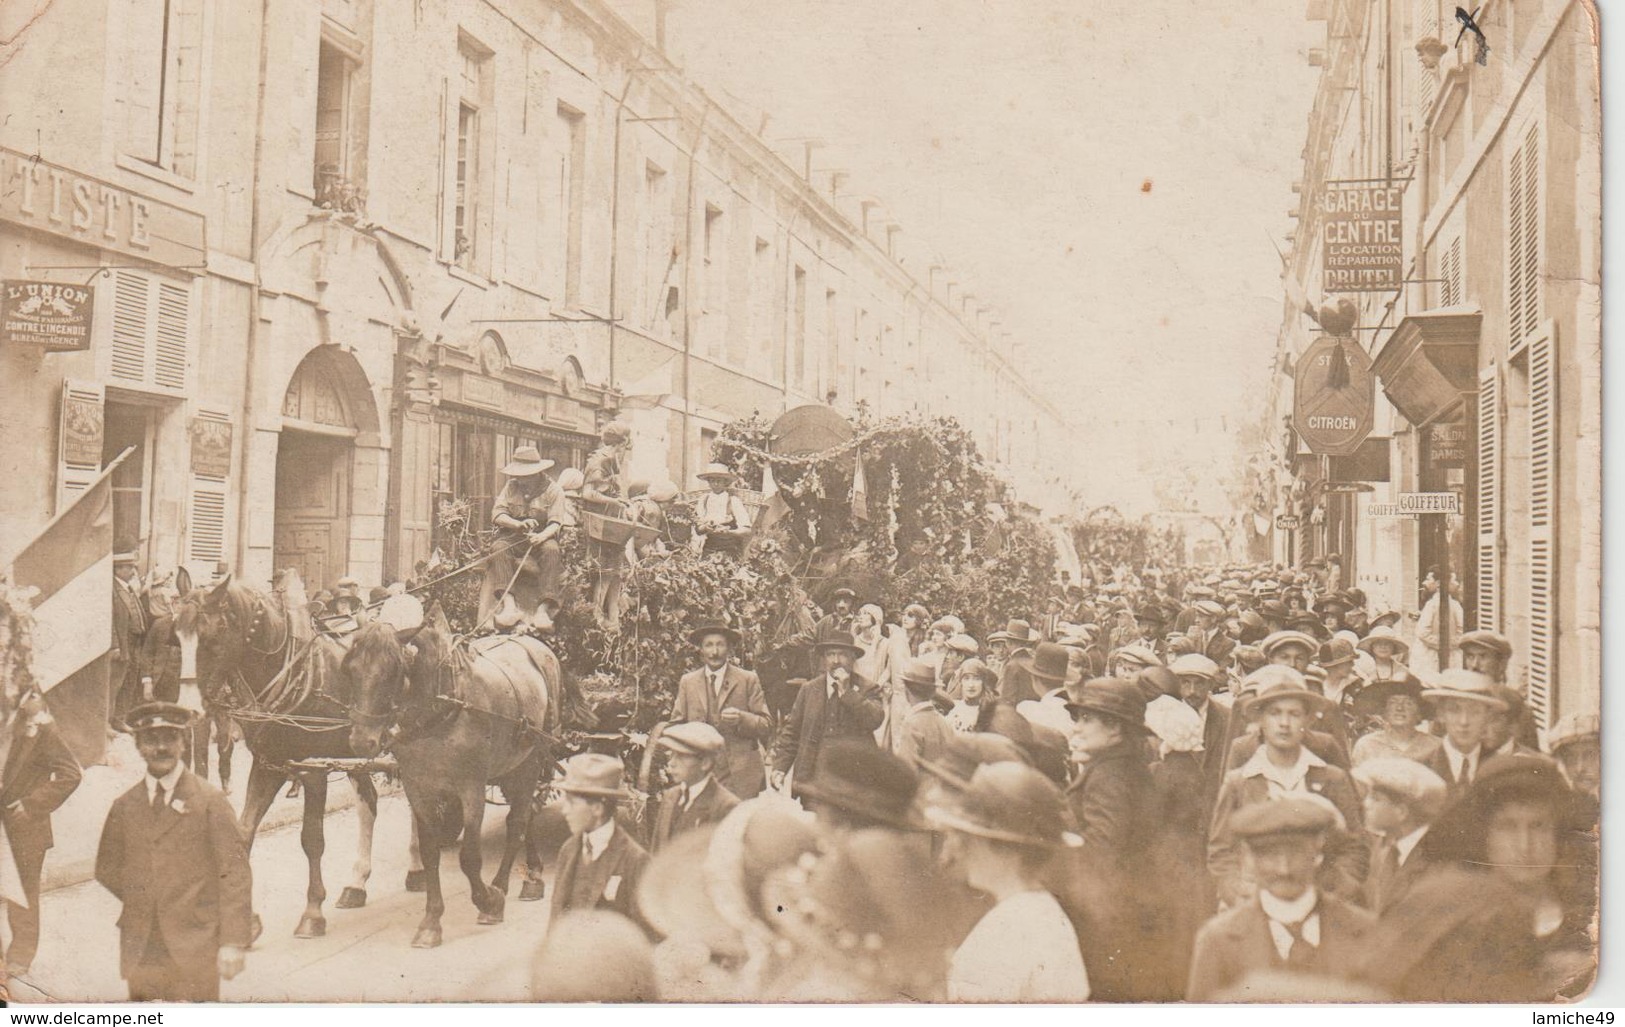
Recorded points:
(1107, 173)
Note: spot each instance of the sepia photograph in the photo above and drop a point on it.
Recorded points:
(800, 501)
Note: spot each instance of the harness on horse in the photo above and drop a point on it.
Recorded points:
(299, 680)
(449, 699)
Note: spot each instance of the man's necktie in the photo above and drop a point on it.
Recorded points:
(1301, 953)
(158, 797)
(682, 799)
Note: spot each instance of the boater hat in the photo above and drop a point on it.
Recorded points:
(527, 460)
(715, 471)
(1457, 683)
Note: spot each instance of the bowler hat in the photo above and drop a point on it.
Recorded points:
(1015, 631)
(1009, 802)
(698, 635)
(693, 738)
(1291, 814)
(151, 716)
(1122, 701)
(1049, 662)
(527, 460)
(596, 775)
(860, 778)
(832, 637)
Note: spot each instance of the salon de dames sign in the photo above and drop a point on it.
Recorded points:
(50, 198)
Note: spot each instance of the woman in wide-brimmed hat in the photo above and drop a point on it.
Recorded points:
(1398, 707)
(1003, 829)
(1389, 653)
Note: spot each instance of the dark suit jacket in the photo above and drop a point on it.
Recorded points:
(1238, 942)
(181, 874)
(1389, 881)
(1439, 763)
(709, 807)
(129, 624)
(741, 766)
(1215, 739)
(40, 773)
(816, 719)
(1347, 858)
(1016, 683)
(623, 859)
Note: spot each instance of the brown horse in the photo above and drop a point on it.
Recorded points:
(284, 687)
(457, 716)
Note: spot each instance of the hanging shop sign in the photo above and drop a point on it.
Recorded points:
(1286, 522)
(53, 316)
(1334, 396)
(1430, 502)
(1347, 487)
(1364, 237)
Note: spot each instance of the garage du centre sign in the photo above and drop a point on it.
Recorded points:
(1364, 237)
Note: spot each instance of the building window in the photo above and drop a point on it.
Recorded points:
(469, 181)
(832, 337)
(572, 188)
(798, 352)
(657, 251)
(128, 426)
(333, 175)
(762, 333)
(163, 51)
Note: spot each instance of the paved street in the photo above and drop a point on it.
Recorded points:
(366, 955)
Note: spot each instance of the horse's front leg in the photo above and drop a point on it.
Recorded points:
(313, 924)
(225, 744)
(426, 815)
(415, 874)
(354, 895)
(487, 900)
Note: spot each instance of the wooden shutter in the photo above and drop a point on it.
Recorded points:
(1451, 272)
(79, 439)
(1523, 240)
(206, 513)
(1543, 414)
(1489, 501)
(151, 337)
(1427, 24)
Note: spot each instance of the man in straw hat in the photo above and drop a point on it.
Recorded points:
(171, 853)
(527, 564)
(1003, 829)
(696, 797)
(720, 517)
(600, 865)
(1289, 924)
(729, 698)
(837, 704)
(1465, 701)
(1282, 705)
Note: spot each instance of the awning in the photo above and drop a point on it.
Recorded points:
(1430, 360)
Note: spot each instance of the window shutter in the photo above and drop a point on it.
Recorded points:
(1427, 25)
(206, 513)
(1489, 501)
(1542, 518)
(1452, 273)
(152, 330)
(1523, 240)
(79, 439)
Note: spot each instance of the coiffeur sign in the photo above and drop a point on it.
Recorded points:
(1334, 396)
(1364, 236)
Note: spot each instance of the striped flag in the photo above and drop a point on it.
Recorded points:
(70, 565)
(773, 505)
(860, 489)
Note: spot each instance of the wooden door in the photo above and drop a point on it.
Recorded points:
(313, 507)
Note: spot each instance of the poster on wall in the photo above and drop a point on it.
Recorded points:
(49, 315)
(211, 447)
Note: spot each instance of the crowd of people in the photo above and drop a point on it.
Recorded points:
(1225, 787)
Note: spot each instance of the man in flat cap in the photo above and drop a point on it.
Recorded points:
(1489, 653)
(1289, 924)
(696, 797)
(599, 867)
(171, 853)
(729, 698)
(1401, 800)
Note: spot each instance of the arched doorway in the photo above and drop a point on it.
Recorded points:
(326, 407)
